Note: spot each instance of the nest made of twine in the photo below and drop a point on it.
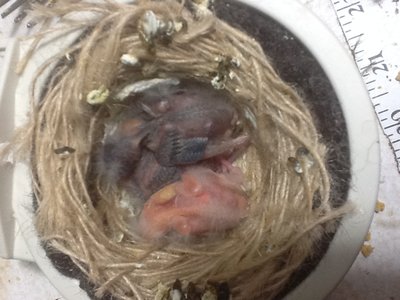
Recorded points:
(80, 215)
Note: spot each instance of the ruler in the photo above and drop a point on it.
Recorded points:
(372, 31)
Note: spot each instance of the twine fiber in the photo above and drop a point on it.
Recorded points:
(79, 214)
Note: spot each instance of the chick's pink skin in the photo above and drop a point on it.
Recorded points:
(201, 202)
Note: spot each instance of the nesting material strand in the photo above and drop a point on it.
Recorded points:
(81, 215)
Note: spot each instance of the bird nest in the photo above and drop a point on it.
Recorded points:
(83, 215)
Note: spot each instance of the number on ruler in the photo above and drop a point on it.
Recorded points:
(376, 63)
(396, 118)
(352, 10)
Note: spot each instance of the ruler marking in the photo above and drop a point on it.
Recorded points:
(348, 6)
(391, 126)
(336, 2)
(370, 90)
(347, 31)
(358, 52)
(396, 141)
(380, 95)
(369, 82)
(347, 23)
(397, 150)
(356, 36)
(383, 120)
(383, 111)
(354, 47)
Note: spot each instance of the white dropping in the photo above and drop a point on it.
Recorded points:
(296, 165)
(178, 26)
(305, 157)
(203, 7)
(303, 160)
(68, 57)
(150, 25)
(236, 62)
(176, 295)
(143, 85)
(98, 96)
(129, 60)
(218, 83)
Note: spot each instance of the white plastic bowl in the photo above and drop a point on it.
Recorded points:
(361, 127)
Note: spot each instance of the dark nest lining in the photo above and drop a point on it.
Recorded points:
(299, 68)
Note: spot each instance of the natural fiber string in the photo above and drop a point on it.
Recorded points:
(80, 215)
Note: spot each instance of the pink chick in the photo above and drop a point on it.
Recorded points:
(202, 202)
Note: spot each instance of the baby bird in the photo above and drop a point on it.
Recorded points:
(203, 201)
(179, 125)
